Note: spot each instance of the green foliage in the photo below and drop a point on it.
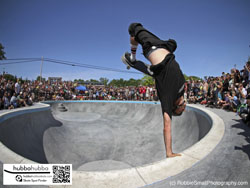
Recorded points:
(80, 81)
(195, 78)
(2, 56)
(14, 78)
(93, 81)
(38, 79)
(9, 77)
(104, 81)
(148, 81)
(122, 83)
(133, 82)
(186, 77)
(117, 83)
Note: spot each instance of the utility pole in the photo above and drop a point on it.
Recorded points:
(41, 70)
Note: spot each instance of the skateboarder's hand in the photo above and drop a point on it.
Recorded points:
(173, 155)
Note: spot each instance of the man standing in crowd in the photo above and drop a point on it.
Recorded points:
(17, 87)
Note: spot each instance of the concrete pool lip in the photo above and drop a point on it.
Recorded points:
(141, 175)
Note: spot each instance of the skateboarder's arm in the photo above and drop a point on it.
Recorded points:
(167, 136)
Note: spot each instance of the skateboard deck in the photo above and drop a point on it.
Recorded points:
(140, 66)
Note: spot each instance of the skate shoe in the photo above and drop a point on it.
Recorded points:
(126, 60)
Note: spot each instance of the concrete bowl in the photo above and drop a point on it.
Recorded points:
(109, 144)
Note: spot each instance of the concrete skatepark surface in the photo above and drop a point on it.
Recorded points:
(228, 162)
(113, 136)
(99, 136)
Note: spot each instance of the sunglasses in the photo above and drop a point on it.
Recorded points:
(181, 105)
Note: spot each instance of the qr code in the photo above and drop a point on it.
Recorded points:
(61, 174)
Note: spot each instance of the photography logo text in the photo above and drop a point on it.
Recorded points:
(23, 168)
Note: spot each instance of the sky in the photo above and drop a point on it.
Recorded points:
(212, 35)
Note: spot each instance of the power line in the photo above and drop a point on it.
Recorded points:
(18, 62)
(62, 62)
(88, 66)
(15, 59)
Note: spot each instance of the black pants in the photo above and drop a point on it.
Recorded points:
(148, 39)
(168, 75)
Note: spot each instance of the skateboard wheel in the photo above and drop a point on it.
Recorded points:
(128, 67)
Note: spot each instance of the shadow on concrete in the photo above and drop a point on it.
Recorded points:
(24, 134)
(246, 134)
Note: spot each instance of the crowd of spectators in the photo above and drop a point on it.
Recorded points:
(119, 93)
(13, 95)
(17, 94)
(230, 91)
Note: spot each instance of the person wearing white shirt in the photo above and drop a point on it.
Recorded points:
(13, 100)
(242, 94)
(17, 87)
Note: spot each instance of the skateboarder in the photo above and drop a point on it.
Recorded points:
(164, 69)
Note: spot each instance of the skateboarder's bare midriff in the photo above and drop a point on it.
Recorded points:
(158, 55)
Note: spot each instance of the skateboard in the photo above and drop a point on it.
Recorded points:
(138, 65)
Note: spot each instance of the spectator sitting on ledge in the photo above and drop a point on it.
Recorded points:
(6, 101)
(13, 101)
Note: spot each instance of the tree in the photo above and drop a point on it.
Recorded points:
(9, 77)
(104, 81)
(148, 81)
(79, 81)
(124, 83)
(112, 82)
(2, 52)
(38, 79)
(133, 82)
(93, 81)
(186, 77)
(195, 78)
(117, 83)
